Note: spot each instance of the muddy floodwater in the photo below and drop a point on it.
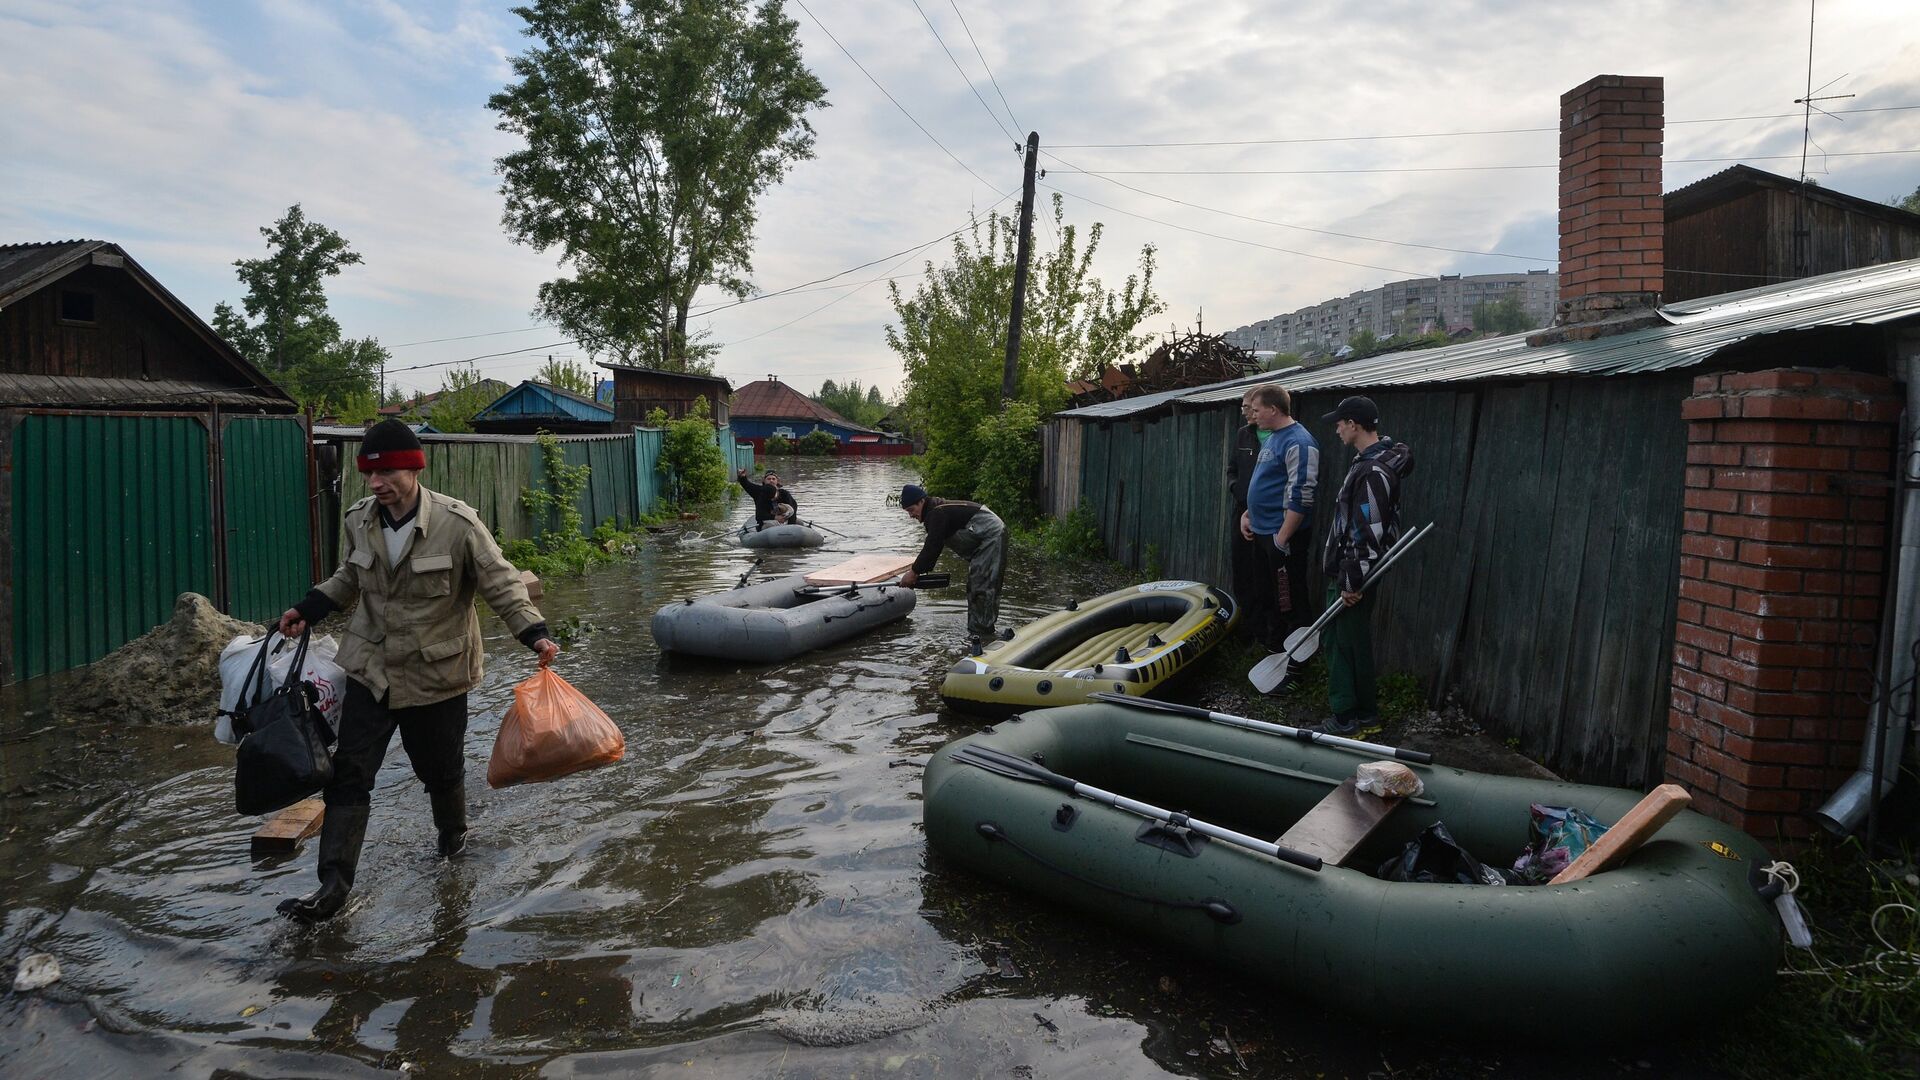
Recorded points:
(747, 894)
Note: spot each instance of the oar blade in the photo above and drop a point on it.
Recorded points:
(1268, 674)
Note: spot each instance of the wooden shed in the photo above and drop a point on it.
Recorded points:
(638, 391)
(1743, 227)
(141, 457)
(535, 406)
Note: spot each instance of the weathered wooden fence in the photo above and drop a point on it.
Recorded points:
(1544, 598)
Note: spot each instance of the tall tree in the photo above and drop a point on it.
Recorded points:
(651, 127)
(1911, 202)
(861, 405)
(463, 393)
(287, 331)
(952, 335)
(567, 375)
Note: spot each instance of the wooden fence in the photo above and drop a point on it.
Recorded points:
(1545, 597)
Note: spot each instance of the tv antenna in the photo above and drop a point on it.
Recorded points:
(1800, 232)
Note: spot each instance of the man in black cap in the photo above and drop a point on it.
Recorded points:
(772, 504)
(1366, 522)
(974, 533)
(415, 559)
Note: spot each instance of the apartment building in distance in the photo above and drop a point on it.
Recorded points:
(1414, 306)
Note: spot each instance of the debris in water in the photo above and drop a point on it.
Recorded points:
(249, 1011)
(1046, 1023)
(1007, 970)
(36, 971)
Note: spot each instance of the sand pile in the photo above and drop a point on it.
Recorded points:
(169, 675)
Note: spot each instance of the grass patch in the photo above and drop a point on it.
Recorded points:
(554, 555)
(1401, 696)
(1076, 536)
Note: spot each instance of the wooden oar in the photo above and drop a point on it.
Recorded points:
(1019, 768)
(925, 581)
(1417, 757)
(823, 528)
(1268, 674)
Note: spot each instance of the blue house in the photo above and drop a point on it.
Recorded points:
(534, 406)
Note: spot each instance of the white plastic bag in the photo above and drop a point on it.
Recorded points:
(1387, 779)
(328, 679)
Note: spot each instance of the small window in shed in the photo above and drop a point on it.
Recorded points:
(76, 306)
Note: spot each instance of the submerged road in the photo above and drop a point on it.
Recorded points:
(748, 893)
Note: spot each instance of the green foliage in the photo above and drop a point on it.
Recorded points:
(1285, 360)
(817, 442)
(650, 129)
(1401, 696)
(1075, 536)
(778, 445)
(952, 335)
(862, 406)
(1503, 316)
(1911, 203)
(354, 407)
(555, 506)
(1364, 343)
(286, 331)
(1009, 462)
(463, 393)
(1150, 566)
(567, 375)
(690, 458)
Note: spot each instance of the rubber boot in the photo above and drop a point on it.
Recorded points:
(450, 817)
(342, 832)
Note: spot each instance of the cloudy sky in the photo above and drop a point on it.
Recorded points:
(178, 129)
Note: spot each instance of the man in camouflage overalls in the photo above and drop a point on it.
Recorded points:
(972, 532)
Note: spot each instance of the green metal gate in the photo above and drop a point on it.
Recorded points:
(111, 521)
(268, 526)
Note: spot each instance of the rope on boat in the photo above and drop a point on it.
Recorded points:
(1218, 910)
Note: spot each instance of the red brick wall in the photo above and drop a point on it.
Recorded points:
(1780, 589)
(1612, 217)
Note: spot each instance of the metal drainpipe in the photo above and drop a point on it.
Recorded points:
(1886, 723)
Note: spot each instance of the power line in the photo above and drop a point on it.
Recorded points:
(1236, 239)
(1441, 134)
(1300, 228)
(470, 337)
(995, 117)
(896, 102)
(984, 64)
(1453, 168)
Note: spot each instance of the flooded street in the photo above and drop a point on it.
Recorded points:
(748, 893)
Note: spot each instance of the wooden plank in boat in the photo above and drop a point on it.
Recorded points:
(1338, 823)
(1625, 836)
(282, 833)
(862, 569)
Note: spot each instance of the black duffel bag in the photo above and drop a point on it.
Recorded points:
(283, 754)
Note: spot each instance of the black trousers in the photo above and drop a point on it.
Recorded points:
(1284, 613)
(434, 737)
(1252, 582)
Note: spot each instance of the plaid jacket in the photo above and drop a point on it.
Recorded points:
(1366, 512)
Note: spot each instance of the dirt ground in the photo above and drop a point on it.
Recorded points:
(168, 675)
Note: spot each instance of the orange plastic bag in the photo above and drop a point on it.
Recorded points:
(551, 730)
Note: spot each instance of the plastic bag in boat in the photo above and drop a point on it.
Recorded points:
(236, 660)
(551, 730)
(1558, 835)
(1435, 856)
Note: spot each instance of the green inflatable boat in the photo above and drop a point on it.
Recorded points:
(1125, 642)
(1678, 934)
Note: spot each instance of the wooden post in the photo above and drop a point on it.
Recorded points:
(1010, 377)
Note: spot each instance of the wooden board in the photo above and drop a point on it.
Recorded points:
(862, 569)
(282, 833)
(1625, 836)
(1338, 823)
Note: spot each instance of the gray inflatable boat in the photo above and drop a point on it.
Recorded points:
(774, 620)
(779, 536)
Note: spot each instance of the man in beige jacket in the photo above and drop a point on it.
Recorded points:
(415, 560)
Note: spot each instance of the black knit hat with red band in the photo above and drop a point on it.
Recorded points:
(391, 444)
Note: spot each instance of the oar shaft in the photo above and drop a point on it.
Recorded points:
(1417, 757)
(1223, 835)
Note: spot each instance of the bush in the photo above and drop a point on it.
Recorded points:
(778, 444)
(818, 442)
(1076, 536)
(1009, 462)
(690, 458)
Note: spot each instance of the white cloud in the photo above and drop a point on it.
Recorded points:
(178, 131)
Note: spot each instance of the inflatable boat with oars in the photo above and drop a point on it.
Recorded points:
(1126, 642)
(774, 620)
(1152, 816)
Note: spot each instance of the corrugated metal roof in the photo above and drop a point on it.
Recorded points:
(23, 264)
(541, 399)
(771, 399)
(1694, 332)
(77, 390)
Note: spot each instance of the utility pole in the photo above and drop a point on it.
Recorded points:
(1009, 378)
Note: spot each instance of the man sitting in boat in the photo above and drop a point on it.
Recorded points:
(972, 532)
(772, 504)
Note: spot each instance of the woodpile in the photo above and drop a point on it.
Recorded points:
(1186, 361)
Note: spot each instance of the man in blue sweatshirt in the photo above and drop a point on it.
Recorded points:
(1279, 515)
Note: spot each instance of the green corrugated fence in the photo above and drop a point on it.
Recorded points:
(269, 537)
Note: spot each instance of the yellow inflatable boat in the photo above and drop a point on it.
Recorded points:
(1126, 642)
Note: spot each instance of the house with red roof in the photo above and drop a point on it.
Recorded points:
(770, 407)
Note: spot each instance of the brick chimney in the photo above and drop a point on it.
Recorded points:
(1612, 219)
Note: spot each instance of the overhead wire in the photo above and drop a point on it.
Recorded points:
(995, 117)
(985, 65)
(1440, 134)
(1458, 168)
